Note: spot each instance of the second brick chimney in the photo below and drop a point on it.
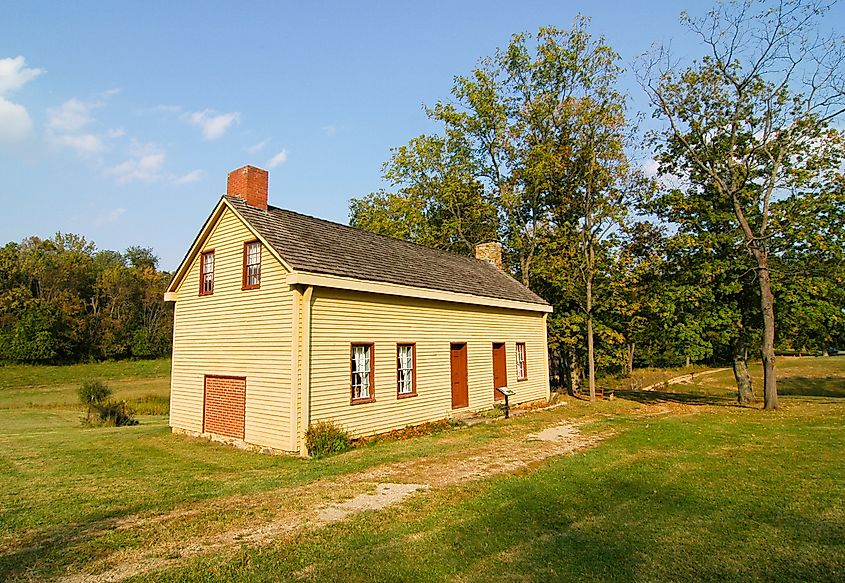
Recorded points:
(250, 184)
(491, 253)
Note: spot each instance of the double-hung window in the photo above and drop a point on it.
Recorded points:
(252, 265)
(363, 389)
(406, 373)
(521, 370)
(207, 273)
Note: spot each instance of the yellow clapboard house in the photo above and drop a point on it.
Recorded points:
(283, 319)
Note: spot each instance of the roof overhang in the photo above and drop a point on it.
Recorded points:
(391, 289)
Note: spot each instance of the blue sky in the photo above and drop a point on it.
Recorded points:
(120, 121)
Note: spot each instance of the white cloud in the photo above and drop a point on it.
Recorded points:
(650, 167)
(82, 144)
(255, 148)
(278, 159)
(212, 124)
(116, 133)
(14, 74)
(109, 217)
(192, 176)
(145, 164)
(70, 116)
(15, 123)
(330, 130)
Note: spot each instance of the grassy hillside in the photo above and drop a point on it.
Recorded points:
(681, 484)
(143, 383)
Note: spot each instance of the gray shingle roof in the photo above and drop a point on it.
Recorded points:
(318, 246)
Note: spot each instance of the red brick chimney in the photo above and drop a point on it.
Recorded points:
(250, 184)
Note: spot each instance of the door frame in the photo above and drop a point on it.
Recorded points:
(500, 362)
(459, 348)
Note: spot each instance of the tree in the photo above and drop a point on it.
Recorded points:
(532, 153)
(751, 120)
(439, 201)
(63, 301)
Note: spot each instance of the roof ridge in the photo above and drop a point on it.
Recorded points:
(382, 235)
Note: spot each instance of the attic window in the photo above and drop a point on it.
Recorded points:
(252, 265)
(207, 273)
(363, 390)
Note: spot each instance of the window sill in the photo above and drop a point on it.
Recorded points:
(362, 401)
(406, 395)
(245, 287)
(522, 379)
(211, 293)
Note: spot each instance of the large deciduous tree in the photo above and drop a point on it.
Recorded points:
(532, 153)
(749, 122)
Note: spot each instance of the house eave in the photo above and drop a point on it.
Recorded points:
(351, 284)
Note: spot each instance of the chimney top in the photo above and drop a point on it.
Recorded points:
(491, 253)
(250, 184)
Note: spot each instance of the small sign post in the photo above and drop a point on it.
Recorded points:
(507, 393)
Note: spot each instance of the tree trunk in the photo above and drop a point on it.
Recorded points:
(687, 364)
(629, 359)
(591, 359)
(767, 303)
(571, 371)
(745, 389)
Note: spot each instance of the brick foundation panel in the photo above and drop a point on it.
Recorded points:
(225, 406)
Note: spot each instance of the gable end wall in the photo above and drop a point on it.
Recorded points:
(235, 333)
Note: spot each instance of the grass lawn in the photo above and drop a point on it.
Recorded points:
(145, 384)
(685, 485)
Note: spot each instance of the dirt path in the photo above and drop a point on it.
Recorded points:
(685, 378)
(281, 513)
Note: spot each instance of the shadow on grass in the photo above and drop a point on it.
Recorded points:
(830, 386)
(654, 397)
(50, 552)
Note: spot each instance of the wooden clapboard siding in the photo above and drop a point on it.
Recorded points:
(341, 317)
(235, 332)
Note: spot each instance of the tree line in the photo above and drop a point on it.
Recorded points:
(730, 248)
(63, 301)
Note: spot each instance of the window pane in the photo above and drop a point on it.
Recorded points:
(207, 272)
(405, 368)
(360, 372)
(253, 263)
(520, 360)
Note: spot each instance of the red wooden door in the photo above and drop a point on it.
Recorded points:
(460, 386)
(500, 369)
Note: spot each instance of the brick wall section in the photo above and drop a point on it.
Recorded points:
(490, 252)
(225, 406)
(250, 184)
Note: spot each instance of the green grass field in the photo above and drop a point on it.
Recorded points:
(683, 485)
(142, 383)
